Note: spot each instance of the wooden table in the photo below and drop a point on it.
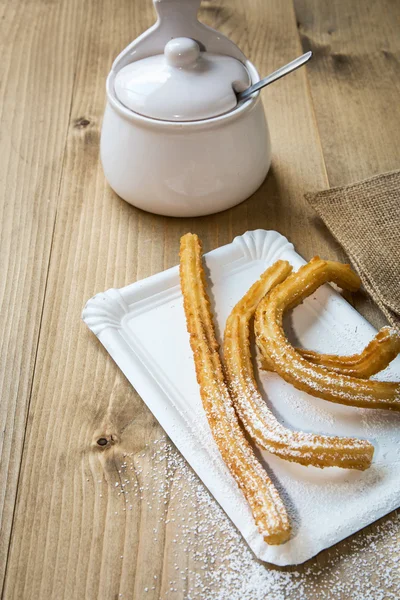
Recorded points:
(65, 236)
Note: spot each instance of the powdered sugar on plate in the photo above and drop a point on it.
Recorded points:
(222, 567)
(143, 328)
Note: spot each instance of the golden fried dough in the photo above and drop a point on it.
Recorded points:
(375, 357)
(267, 507)
(294, 368)
(258, 420)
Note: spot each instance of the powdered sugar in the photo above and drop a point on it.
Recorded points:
(222, 567)
(258, 420)
(152, 348)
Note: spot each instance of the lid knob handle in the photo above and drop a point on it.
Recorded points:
(181, 52)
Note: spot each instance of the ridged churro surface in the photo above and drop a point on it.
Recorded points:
(375, 357)
(291, 365)
(258, 420)
(266, 505)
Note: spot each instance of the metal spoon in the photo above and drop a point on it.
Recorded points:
(292, 66)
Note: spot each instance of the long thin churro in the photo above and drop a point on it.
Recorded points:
(295, 369)
(375, 357)
(258, 420)
(267, 507)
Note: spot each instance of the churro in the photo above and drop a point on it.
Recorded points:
(257, 419)
(291, 366)
(375, 357)
(267, 507)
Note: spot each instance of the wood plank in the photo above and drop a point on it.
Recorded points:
(354, 78)
(37, 74)
(355, 85)
(75, 535)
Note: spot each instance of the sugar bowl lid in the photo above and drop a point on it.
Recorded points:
(183, 84)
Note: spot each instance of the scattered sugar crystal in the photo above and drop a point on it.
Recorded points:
(222, 567)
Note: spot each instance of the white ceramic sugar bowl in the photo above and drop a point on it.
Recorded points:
(174, 140)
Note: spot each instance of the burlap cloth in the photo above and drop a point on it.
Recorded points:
(365, 219)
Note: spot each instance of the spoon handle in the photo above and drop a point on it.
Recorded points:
(292, 66)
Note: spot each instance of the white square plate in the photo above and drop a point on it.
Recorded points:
(143, 328)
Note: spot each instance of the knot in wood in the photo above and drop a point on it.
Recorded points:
(81, 123)
(105, 441)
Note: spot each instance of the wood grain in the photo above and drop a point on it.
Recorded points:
(35, 97)
(76, 534)
(354, 78)
(355, 86)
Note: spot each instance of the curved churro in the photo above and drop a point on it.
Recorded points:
(374, 358)
(267, 507)
(295, 369)
(258, 420)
